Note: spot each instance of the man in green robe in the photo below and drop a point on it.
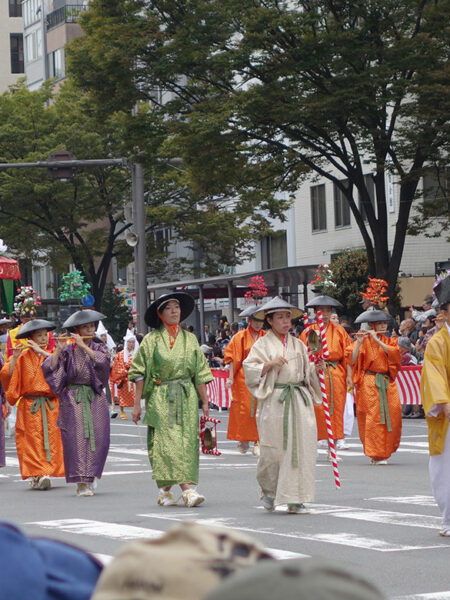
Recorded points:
(170, 372)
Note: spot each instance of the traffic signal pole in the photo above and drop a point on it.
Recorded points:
(137, 179)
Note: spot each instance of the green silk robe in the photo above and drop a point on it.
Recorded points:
(171, 403)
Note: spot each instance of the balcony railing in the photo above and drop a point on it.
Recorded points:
(66, 14)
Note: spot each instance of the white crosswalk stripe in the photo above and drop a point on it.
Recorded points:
(431, 596)
(124, 532)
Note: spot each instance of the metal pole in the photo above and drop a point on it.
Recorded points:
(94, 162)
(140, 250)
(305, 294)
(201, 308)
(230, 300)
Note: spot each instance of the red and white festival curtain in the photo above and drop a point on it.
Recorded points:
(408, 384)
(217, 392)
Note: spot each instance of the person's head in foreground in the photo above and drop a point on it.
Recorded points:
(296, 579)
(185, 563)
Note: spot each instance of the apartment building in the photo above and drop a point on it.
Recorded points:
(11, 43)
(47, 27)
(324, 227)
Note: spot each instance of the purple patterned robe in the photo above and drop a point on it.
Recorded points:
(74, 367)
(2, 422)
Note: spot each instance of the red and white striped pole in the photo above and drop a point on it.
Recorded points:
(326, 409)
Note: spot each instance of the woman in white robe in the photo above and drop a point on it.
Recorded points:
(280, 376)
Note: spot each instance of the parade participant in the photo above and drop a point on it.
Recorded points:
(5, 324)
(102, 333)
(170, 372)
(26, 314)
(78, 371)
(435, 391)
(25, 304)
(336, 377)
(242, 419)
(4, 412)
(280, 375)
(38, 439)
(375, 361)
(119, 372)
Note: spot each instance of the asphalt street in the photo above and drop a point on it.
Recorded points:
(382, 523)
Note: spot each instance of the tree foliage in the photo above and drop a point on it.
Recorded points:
(118, 315)
(49, 221)
(257, 94)
(350, 274)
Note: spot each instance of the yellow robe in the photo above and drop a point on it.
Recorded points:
(435, 387)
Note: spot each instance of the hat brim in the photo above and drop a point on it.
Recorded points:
(442, 291)
(323, 301)
(372, 316)
(249, 311)
(262, 314)
(186, 301)
(83, 317)
(27, 329)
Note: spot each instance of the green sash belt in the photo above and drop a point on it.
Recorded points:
(253, 407)
(288, 398)
(85, 394)
(178, 389)
(39, 403)
(334, 364)
(382, 383)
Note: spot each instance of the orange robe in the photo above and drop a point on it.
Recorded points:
(242, 422)
(338, 341)
(119, 376)
(27, 383)
(378, 442)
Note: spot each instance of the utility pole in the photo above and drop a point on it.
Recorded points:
(140, 248)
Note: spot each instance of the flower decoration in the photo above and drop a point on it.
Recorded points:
(375, 291)
(323, 276)
(73, 287)
(439, 277)
(26, 297)
(258, 288)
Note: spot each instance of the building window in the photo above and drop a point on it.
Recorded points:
(370, 186)
(31, 12)
(16, 46)
(274, 250)
(318, 208)
(57, 67)
(436, 186)
(341, 207)
(33, 45)
(15, 8)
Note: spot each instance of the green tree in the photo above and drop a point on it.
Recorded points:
(259, 93)
(118, 315)
(350, 275)
(54, 222)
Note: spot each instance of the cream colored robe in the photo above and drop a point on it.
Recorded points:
(276, 474)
